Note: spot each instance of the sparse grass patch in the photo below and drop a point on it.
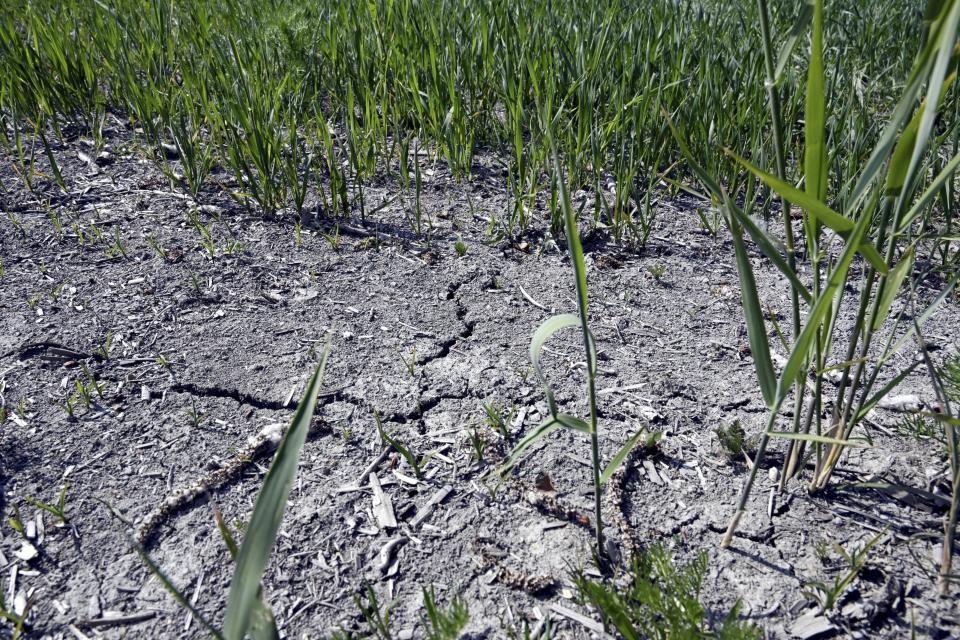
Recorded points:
(660, 599)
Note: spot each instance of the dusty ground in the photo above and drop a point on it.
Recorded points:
(198, 348)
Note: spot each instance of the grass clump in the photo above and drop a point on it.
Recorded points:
(660, 600)
(444, 624)
(828, 594)
(733, 440)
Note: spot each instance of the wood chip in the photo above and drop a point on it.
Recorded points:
(527, 297)
(382, 506)
(652, 472)
(386, 552)
(812, 626)
(423, 512)
(372, 467)
(581, 619)
(27, 552)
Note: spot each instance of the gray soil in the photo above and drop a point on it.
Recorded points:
(206, 350)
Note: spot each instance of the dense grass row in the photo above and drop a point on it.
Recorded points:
(307, 101)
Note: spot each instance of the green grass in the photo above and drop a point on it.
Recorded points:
(316, 98)
(841, 112)
(660, 599)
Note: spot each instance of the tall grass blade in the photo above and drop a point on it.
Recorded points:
(753, 312)
(268, 512)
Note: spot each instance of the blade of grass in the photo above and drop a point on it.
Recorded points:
(268, 512)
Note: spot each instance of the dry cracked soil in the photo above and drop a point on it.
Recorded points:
(200, 339)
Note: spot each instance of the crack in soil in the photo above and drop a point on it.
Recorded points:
(232, 394)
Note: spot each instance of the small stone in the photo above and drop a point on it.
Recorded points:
(27, 552)
(810, 626)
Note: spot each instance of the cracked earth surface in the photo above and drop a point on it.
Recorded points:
(198, 354)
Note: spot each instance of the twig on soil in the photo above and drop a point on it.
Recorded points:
(529, 299)
(109, 621)
(424, 511)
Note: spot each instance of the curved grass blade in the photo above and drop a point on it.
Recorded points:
(540, 337)
(621, 455)
(268, 512)
(573, 423)
(549, 424)
(766, 245)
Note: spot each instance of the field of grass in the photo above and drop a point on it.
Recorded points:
(819, 140)
(320, 97)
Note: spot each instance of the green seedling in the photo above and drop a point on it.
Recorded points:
(557, 420)
(207, 241)
(16, 521)
(163, 362)
(477, 443)
(495, 419)
(657, 271)
(58, 510)
(195, 416)
(710, 224)
(333, 239)
(103, 350)
(733, 440)
(417, 464)
(440, 624)
(82, 392)
(196, 283)
(460, 247)
(828, 594)
(376, 618)
(411, 364)
(154, 244)
(18, 622)
(55, 222)
(117, 249)
(69, 406)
